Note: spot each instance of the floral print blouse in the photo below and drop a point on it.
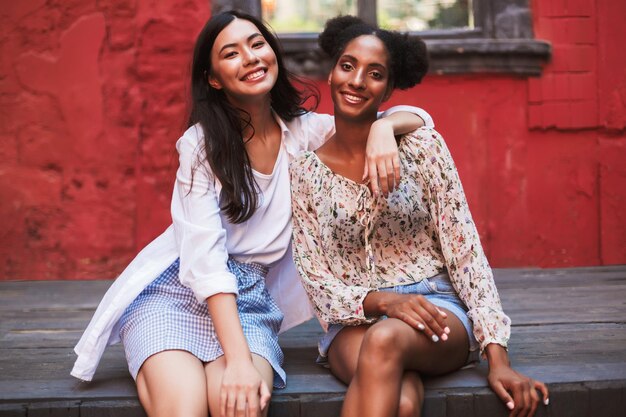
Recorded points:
(348, 243)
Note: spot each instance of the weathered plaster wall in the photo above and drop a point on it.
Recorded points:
(92, 100)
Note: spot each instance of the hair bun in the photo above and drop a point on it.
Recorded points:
(328, 38)
(414, 61)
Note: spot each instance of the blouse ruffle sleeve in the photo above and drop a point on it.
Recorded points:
(200, 236)
(333, 300)
(467, 264)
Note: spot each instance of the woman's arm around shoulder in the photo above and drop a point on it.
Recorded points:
(382, 165)
(316, 128)
(382, 162)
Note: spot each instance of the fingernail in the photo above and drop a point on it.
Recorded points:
(435, 338)
(421, 327)
(510, 405)
(444, 337)
(546, 401)
(447, 330)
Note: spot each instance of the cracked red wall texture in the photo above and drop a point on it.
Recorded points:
(93, 101)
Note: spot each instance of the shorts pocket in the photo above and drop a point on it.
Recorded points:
(421, 287)
(440, 285)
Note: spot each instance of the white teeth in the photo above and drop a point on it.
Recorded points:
(353, 99)
(254, 75)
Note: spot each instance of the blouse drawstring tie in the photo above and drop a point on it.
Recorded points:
(367, 209)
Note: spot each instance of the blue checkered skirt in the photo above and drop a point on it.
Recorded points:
(167, 316)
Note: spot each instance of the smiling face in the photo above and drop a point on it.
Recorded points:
(243, 64)
(359, 81)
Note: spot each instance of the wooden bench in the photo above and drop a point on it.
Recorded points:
(569, 330)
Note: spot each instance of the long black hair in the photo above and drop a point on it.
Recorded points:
(223, 124)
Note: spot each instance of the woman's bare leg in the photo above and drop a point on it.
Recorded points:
(343, 357)
(172, 383)
(215, 370)
(383, 352)
(411, 395)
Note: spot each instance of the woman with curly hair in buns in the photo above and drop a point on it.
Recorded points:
(401, 280)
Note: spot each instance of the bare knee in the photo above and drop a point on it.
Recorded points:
(409, 406)
(380, 346)
(172, 383)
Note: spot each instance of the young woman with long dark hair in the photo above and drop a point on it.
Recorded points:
(198, 324)
(402, 280)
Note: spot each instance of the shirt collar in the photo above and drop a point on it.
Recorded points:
(287, 137)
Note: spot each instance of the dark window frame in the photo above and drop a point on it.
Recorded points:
(502, 41)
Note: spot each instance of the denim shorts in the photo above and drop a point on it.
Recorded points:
(439, 291)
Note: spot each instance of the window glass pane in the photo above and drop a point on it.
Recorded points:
(415, 15)
(304, 16)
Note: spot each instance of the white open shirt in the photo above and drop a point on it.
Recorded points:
(203, 238)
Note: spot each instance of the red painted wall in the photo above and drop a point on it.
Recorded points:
(92, 97)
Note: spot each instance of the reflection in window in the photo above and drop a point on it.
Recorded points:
(304, 16)
(416, 15)
(291, 16)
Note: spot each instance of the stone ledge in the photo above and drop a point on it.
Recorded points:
(568, 330)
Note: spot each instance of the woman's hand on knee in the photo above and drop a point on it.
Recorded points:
(418, 312)
(243, 391)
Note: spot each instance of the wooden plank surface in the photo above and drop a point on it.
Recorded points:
(569, 329)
